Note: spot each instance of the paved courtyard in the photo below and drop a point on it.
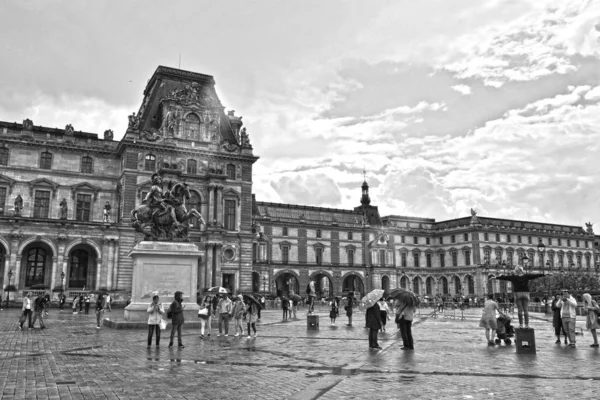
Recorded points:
(72, 359)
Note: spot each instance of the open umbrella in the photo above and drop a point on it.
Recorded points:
(405, 296)
(295, 297)
(250, 299)
(217, 290)
(372, 297)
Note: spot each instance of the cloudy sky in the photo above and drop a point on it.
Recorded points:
(448, 105)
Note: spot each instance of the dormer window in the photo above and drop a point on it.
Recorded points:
(191, 127)
(230, 171)
(150, 162)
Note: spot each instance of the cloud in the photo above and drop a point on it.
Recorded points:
(462, 89)
(308, 189)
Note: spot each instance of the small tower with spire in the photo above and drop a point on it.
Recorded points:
(370, 213)
(365, 200)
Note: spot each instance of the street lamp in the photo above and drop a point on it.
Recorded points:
(264, 285)
(541, 249)
(8, 292)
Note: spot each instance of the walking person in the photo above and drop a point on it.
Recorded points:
(405, 314)
(39, 306)
(238, 311)
(520, 282)
(81, 303)
(333, 311)
(88, 301)
(61, 301)
(75, 304)
(224, 311)
(568, 314)
(252, 315)
(176, 310)
(108, 302)
(488, 319)
(204, 315)
(156, 312)
(294, 308)
(285, 304)
(385, 313)
(592, 313)
(26, 311)
(349, 307)
(557, 320)
(374, 324)
(100, 304)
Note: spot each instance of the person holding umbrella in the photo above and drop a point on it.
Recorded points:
(252, 314)
(406, 303)
(373, 316)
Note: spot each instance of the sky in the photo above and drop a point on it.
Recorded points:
(447, 105)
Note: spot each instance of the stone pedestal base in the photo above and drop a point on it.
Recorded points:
(312, 322)
(163, 268)
(525, 341)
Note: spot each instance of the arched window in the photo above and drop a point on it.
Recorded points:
(3, 156)
(150, 162)
(230, 171)
(191, 127)
(87, 165)
(444, 285)
(404, 282)
(416, 285)
(194, 203)
(457, 285)
(46, 160)
(192, 167)
(429, 286)
(385, 283)
(78, 270)
(491, 284)
(36, 267)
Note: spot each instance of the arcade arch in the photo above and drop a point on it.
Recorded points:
(323, 285)
(82, 267)
(287, 283)
(429, 284)
(353, 283)
(36, 264)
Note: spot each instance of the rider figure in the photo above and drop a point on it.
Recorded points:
(157, 200)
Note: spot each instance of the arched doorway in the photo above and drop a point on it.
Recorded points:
(417, 285)
(81, 268)
(404, 282)
(287, 283)
(429, 286)
(36, 265)
(323, 286)
(353, 283)
(385, 283)
(444, 282)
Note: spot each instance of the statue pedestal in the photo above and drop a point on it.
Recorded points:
(163, 267)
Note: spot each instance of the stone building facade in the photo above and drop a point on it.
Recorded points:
(66, 197)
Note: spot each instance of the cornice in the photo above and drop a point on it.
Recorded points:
(63, 146)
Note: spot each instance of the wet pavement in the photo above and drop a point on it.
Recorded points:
(74, 360)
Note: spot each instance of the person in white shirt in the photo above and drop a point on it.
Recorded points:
(568, 313)
(108, 306)
(26, 311)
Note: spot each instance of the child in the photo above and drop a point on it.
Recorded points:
(334, 311)
(488, 319)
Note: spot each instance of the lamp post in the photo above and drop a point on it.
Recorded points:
(264, 285)
(8, 293)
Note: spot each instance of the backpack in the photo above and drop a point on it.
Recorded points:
(169, 313)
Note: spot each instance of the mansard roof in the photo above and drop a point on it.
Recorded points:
(319, 215)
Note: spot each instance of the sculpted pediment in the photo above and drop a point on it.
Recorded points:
(85, 187)
(42, 183)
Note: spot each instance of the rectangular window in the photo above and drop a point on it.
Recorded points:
(415, 240)
(453, 239)
(486, 256)
(486, 237)
(2, 200)
(3, 156)
(230, 215)
(403, 259)
(350, 257)
(519, 239)
(230, 171)
(350, 236)
(84, 205)
(529, 240)
(87, 165)
(382, 258)
(454, 259)
(285, 254)
(441, 240)
(559, 241)
(41, 204)
(254, 251)
(46, 160)
(466, 237)
(427, 241)
(402, 239)
(508, 239)
(428, 260)
(442, 260)
(467, 257)
(549, 241)
(192, 167)
(568, 242)
(319, 256)
(586, 244)
(416, 259)
(497, 237)
(577, 243)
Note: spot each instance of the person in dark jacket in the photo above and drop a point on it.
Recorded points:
(557, 320)
(177, 320)
(520, 282)
(349, 307)
(374, 324)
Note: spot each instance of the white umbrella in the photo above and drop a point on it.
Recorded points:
(217, 290)
(373, 297)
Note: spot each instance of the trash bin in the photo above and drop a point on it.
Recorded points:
(525, 340)
(312, 322)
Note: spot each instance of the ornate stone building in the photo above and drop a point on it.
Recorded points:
(66, 198)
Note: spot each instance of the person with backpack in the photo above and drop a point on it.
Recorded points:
(39, 305)
(238, 313)
(176, 314)
(100, 304)
(204, 313)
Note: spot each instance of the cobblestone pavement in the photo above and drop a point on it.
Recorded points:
(72, 359)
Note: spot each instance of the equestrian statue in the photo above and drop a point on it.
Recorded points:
(163, 215)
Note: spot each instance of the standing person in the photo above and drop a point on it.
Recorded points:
(176, 309)
(333, 311)
(204, 314)
(520, 282)
(591, 322)
(294, 308)
(224, 312)
(385, 313)
(262, 304)
(26, 312)
(405, 315)
(47, 304)
(75, 304)
(81, 303)
(38, 310)
(278, 303)
(108, 302)
(349, 307)
(252, 315)
(488, 319)
(88, 301)
(238, 313)
(155, 311)
(285, 304)
(374, 324)
(568, 314)
(557, 320)
(61, 301)
(100, 304)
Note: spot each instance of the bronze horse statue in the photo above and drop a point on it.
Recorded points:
(170, 224)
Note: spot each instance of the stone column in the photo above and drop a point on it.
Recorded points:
(110, 261)
(220, 205)
(53, 278)
(211, 205)
(114, 267)
(209, 264)
(15, 260)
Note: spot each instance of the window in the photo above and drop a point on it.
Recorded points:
(84, 202)
(402, 239)
(349, 235)
(466, 237)
(284, 231)
(428, 260)
(550, 241)
(46, 160)
(577, 243)
(382, 258)
(586, 244)
(561, 259)
(455, 259)
(41, 204)
(568, 242)
(191, 127)
(471, 284)
(350, 257)
(403, 259)
(442, 260)
(441, 240)
(529, 240)
(415, 240)
(36, 267)
(559, 241)
(318, 234)
(467, 257)
(497, 237)
(427, 242)
(3, 156)
(509, 258)
(508, 239)
(230, 215)
(416, 259)
(486, 256)
(87, 165)
(588, 261)
(193, 203)
(578, 257)
(230, 171)
(519, 239)
(319, 256)
(149, 162)
(453, 239)
(486, 237)
(192, 167)
(79, 269)
(285, 254)
(2, 200)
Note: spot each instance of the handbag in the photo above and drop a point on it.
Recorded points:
(162, 324)
(203, 312)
